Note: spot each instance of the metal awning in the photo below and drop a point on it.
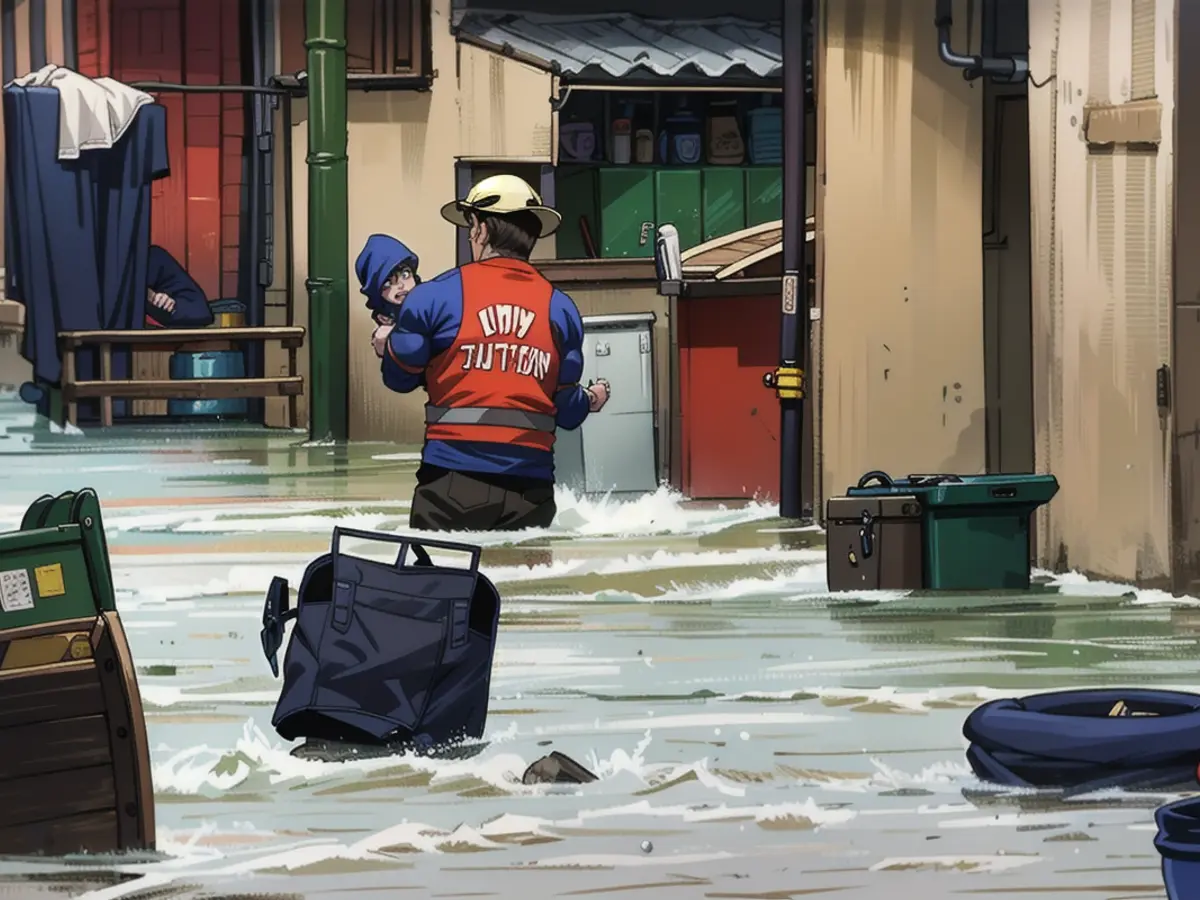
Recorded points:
(583, 48)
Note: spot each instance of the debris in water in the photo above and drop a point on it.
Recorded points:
(557, 768)
(647, 847)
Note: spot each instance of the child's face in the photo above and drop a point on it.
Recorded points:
(399, 283)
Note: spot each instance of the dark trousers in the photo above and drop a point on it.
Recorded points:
(457, 501)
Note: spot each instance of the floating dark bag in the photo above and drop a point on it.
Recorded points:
(384, 653)
(1088, 740)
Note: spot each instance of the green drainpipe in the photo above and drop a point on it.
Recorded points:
(328, 220)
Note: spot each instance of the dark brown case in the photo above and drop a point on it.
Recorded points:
(874, 543)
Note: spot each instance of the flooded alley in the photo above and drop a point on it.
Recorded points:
(754, 737)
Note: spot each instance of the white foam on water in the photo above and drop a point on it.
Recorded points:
(805, 583)
(1075, 584)
(257, 760)
(192, 859)
(662, 512)
(660, 559)
(289, 517)
(174, 580)
(69, 428)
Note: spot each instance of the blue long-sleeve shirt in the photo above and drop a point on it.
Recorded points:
(165, 275)
(428, 324)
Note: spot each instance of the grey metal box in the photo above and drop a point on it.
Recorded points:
(615, 449)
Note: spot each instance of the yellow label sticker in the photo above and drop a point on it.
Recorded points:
(50, 580)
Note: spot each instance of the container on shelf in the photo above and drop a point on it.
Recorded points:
(726, 146)
(766, 134)
(577, 142)
(622, 138)
(643, 146)
(228, 313)
(681, 142)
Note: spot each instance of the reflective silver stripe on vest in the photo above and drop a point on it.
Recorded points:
(484, 415)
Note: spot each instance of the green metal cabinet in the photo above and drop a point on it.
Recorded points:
(723, 202)
(626, 212)
(575, 197)
(677, 194)
(764, 195)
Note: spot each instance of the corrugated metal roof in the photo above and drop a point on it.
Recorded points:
(624, 44)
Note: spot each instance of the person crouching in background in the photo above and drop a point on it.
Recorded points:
(173, 298)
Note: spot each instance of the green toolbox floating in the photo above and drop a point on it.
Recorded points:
(974, 531)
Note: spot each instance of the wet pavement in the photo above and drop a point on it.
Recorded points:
(754, 736)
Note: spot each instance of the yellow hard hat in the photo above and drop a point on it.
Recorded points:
(500, 194)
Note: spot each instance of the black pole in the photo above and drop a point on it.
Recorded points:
(789, 380)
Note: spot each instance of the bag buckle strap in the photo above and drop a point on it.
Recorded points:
(460, 623)
(343, 605)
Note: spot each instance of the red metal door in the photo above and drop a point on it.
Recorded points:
(196, 209)
(730, 436)
(146, 46)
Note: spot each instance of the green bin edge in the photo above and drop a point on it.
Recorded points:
(980, 491)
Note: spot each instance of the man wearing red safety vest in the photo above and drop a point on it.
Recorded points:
(500, 352)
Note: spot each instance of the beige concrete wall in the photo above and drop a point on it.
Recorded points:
(402, 149)
(1101, 223)
(900, 246)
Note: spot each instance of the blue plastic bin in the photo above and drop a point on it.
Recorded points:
(208, 364)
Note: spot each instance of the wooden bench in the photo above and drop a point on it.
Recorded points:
(174, 340)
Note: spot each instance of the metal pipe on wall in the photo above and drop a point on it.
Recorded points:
(70, 35)
(788, 380)
(37, 34)
(256, 149)
(8, 38)
(328, 220)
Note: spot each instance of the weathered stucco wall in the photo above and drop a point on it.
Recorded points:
(1101, 232)
(900, 247)
(402, 150)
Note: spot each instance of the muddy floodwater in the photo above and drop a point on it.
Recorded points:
(754, 736)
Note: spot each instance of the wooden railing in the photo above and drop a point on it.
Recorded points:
(173, 340)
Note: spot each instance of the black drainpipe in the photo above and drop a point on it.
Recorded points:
(1006, 69)
(70, 38)
(255, 261)
(37, 34)
(8, 29)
